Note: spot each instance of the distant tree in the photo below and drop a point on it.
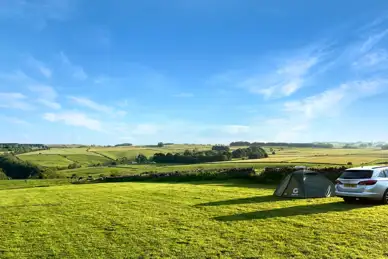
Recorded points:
(141, 158)
(187, 153)
(124, 145)
(349, 146)
(73, 177)
(273, 153)
(384, 147)
(3, 176)
(160, 144)
(18, 169)
(220, 148)
(239, 153)
(74, 166)
(239, 144)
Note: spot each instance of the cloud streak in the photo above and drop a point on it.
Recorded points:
(284, 81)
(40, 66)
(15, 101)
(47, 95)
(76, 71)
(74, 119)
(85, 102)
(332, 101)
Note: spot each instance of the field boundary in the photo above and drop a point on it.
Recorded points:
(95, 152)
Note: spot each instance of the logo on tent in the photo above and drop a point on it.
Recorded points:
(295, 191)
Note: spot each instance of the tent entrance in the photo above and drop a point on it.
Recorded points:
(305, 184)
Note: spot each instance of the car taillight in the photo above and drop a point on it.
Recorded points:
(367, 182)
(338, 182)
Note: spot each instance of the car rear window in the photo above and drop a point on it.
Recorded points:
(356, 174)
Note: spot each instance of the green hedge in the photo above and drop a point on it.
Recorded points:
(267, 176)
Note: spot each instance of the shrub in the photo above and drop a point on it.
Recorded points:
(74, 166)
(17, 169)
(3, 176)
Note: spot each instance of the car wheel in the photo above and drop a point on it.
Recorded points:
(349, 199)
(385, 197)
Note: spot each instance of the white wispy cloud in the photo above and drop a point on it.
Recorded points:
(15, 101)
(85, 102)
(373, 40)
(46, 95)
(332, 101)
(284, 81)
(16, 76)
(91, 104)
(74, 119)
(375, 60)
(281, 76)
(76, 71)
(39, 66)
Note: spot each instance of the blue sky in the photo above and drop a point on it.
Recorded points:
(193, 71)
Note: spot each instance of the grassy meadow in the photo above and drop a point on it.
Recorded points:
(62, 157)
(217, 219)
(198, 220)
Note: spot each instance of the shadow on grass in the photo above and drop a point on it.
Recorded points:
(296, 211)
(257, 199)
(240, 183)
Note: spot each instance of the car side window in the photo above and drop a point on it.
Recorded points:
(383, 174)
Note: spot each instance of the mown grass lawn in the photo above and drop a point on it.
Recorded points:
(30, 183)
(201, 220)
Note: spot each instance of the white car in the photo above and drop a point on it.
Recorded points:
(369, 182)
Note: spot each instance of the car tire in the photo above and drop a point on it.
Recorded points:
(349, 199)
(385, 197)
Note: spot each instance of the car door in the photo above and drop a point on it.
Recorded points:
(384, 176)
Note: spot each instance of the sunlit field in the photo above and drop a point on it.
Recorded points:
(198, 220)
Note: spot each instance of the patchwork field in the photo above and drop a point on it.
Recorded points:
(62, 157)
(49, 160)
(199, 220)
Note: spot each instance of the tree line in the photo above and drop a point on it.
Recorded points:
(218, 153)
(15, 168)
(250, 153)
(16, 148)
(280, 144)
(384, 147)
(192, 157)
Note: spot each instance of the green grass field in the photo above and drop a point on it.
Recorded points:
(87, 159)
(49, 160)
(64, 156)
(30, 183)
(198, 220)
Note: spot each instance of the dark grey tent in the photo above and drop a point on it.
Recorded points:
(305, 184)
